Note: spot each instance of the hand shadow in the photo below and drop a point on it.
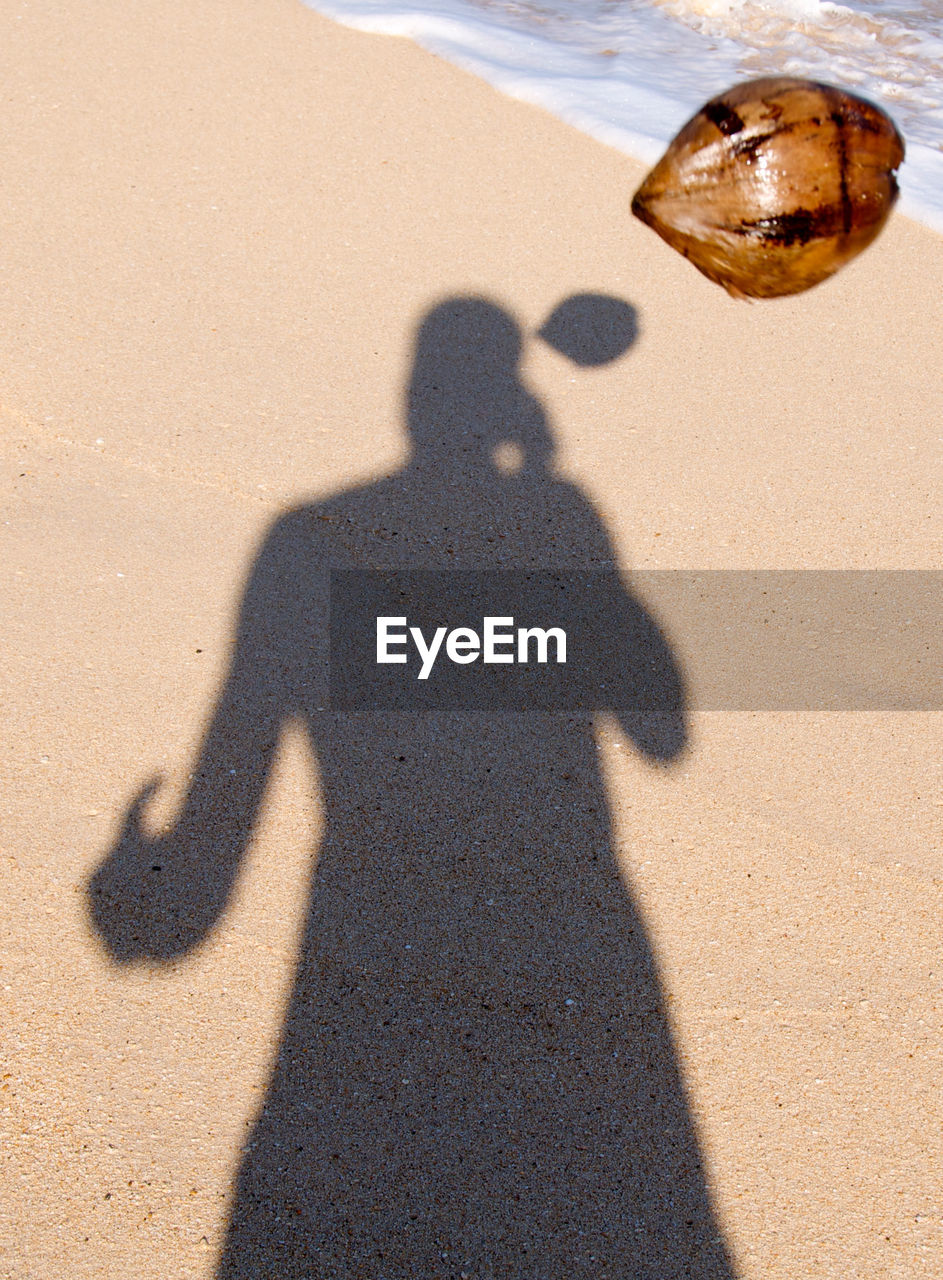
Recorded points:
(476, 1072)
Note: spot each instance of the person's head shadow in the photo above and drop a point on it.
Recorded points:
(467, 408)
(476, 1072)
(480, 487)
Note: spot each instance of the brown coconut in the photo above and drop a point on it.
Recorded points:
(774, 185)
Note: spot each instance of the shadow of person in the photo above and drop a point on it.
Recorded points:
(476, 1074)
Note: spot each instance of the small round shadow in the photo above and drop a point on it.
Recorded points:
(591, 328)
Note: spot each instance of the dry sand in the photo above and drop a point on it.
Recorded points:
(221, 226)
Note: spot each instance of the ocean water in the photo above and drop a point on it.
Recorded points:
(631, 72)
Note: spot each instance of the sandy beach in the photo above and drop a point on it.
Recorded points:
(226, 233)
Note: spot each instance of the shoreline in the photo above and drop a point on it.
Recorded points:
(225, 231)
(642, 119)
